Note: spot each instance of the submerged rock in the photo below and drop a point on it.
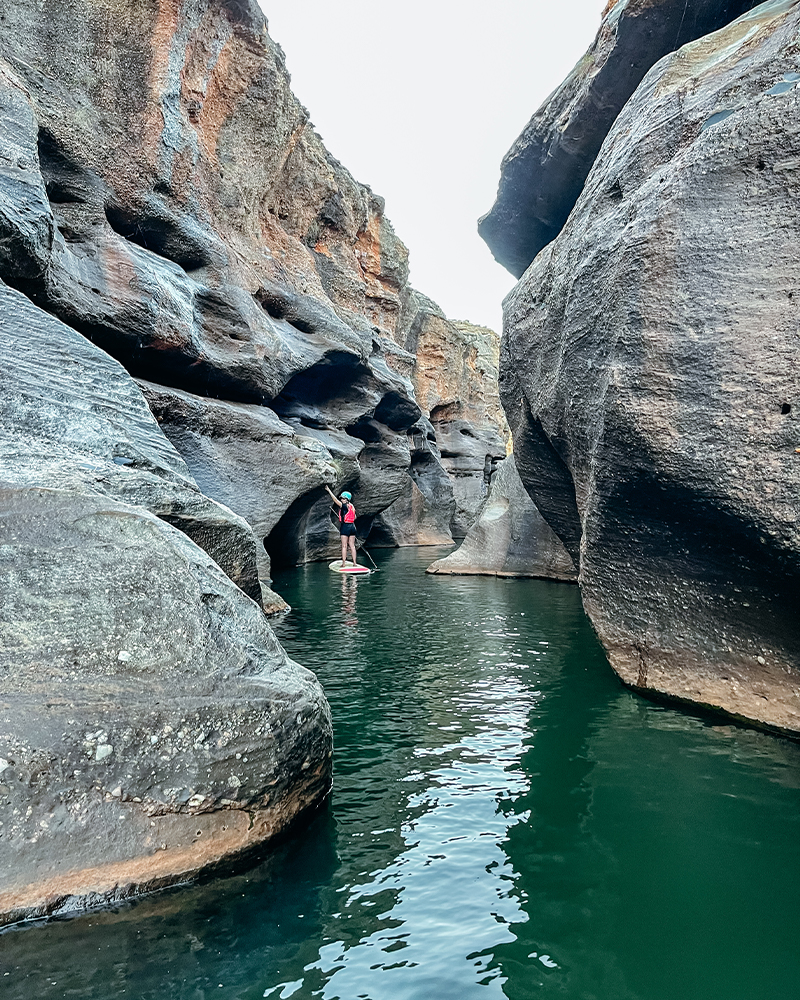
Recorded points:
(650, 376)
(544, 171)
(510, 537)
(152, 727)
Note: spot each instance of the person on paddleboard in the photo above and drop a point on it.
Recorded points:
(347, 523)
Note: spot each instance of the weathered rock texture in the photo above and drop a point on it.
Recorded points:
(510, 537)
(544, 171)
(165, 195)
(71, 418)
(151, 724)
(168, 215)
(650, 374)
(454, 375)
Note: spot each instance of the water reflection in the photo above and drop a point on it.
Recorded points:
(506, 821)
(651, 872)
(349, 595)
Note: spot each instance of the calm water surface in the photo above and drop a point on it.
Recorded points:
(507, 821)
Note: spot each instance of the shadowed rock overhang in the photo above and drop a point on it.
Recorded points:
(543, 173)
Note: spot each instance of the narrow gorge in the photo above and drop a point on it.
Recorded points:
(206, 320)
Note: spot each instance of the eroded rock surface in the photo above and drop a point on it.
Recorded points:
(510, 537)
(650, 375)
(151, 724)
(173, 203)
(544, 171)
(455, 380)
(71, 418)
(168, 214)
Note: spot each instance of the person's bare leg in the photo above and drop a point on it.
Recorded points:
(344, 551)
(352, 541)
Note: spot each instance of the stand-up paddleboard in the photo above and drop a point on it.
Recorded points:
(337, 567)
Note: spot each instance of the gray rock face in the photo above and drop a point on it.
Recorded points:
(650, 375)
(174, 205)
(167, 213)
(71, 418)
(423, 513)
(510, 537)
(454, 374)
(544, 171)
(151, 724)
(244, 456)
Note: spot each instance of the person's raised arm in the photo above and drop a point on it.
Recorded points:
(333, 496)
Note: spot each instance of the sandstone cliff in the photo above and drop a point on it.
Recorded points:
(650, 375)
(455, 378)
(176, 241)
(167, 197)
(150, 724)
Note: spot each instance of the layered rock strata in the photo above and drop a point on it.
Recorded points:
(166, 196)
(454, 375)
(72, 419)
(650, 376)
(509, 538)
(544, 171)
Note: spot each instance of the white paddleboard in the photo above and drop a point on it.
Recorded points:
(337, 567)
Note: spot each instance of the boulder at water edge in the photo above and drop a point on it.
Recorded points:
(150, 724)
(510, 537)
(152, 727)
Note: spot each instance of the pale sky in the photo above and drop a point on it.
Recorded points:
(421, 99)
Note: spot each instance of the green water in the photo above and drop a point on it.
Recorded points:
(507, 821)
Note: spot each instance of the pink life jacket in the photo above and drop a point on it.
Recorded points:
(349, 514)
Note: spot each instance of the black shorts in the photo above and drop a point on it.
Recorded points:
(347, 529)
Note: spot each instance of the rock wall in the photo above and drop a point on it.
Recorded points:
(150, 724)
(455, 378)
(509, 538)
(650, 375)
(176, 241)
(166, 196)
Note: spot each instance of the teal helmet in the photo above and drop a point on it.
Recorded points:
(347, 496)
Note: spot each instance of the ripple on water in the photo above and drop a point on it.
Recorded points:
(507, 821)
